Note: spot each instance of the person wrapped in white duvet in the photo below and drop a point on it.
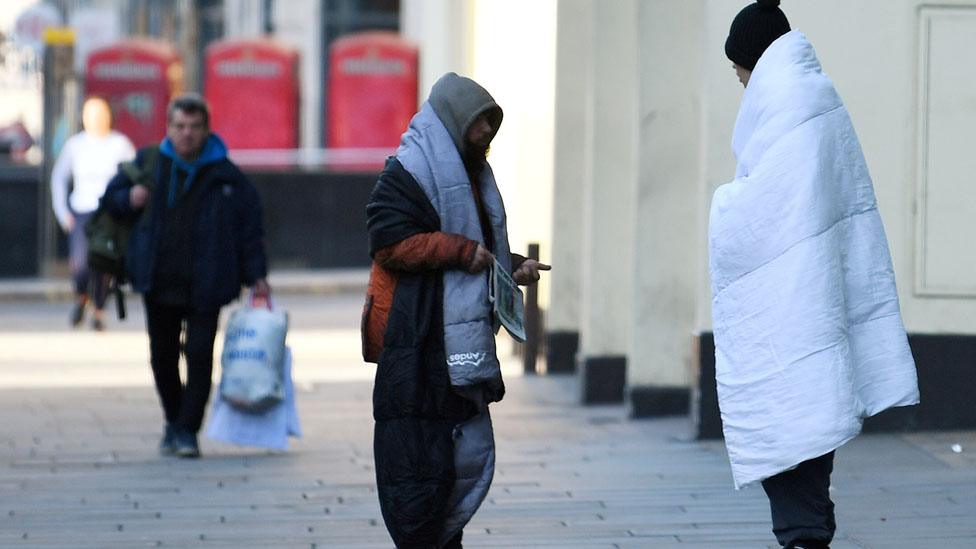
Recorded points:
(808, 336)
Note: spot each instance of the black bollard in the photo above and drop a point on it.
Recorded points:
(530, 348)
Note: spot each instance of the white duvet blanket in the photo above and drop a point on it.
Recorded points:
(808, 335)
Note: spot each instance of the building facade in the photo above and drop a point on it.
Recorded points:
(648, 119)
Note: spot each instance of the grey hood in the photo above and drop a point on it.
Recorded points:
(458, 101)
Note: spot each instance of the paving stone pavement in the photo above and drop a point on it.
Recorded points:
(79, 469)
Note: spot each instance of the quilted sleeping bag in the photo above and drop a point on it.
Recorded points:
(809, 339)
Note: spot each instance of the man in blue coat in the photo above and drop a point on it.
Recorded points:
(197, 239)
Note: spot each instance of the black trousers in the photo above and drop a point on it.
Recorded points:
(183, 404)
(799, 501)
(86, 282)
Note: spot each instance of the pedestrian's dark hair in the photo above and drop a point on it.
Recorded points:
(189, 103)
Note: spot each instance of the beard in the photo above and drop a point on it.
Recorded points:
(475, 158)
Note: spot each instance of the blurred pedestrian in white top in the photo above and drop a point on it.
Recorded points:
(87, 162)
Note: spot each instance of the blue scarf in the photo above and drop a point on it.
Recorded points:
(214, 150)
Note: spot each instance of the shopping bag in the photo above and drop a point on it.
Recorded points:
(269, 429)
(252, 362)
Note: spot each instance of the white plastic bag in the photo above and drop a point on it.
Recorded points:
(252, 362)
(269, 429)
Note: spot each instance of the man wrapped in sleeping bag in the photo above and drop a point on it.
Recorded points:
(809, 339)
(436, 222)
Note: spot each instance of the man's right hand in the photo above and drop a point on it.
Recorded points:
(138, 196)
(482, 259)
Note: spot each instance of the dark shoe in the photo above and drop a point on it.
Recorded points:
(77, 314)
(186, 444)
(98, 325)
(167, 446)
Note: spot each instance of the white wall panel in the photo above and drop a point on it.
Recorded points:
(946, 202)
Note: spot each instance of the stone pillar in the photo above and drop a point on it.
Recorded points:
(572, 119)
(666, 236)
(721, 94)
(298, 23)
(243, 18)
(610, 172)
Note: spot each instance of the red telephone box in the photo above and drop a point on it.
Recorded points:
(252, 87)
(372, 90)
(138, 78)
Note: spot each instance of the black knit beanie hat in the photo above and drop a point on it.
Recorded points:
(756, 27)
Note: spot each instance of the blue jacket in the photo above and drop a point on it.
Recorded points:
(228, 236)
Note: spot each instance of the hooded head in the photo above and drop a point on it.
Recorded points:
(458, 102)
(755, 27)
